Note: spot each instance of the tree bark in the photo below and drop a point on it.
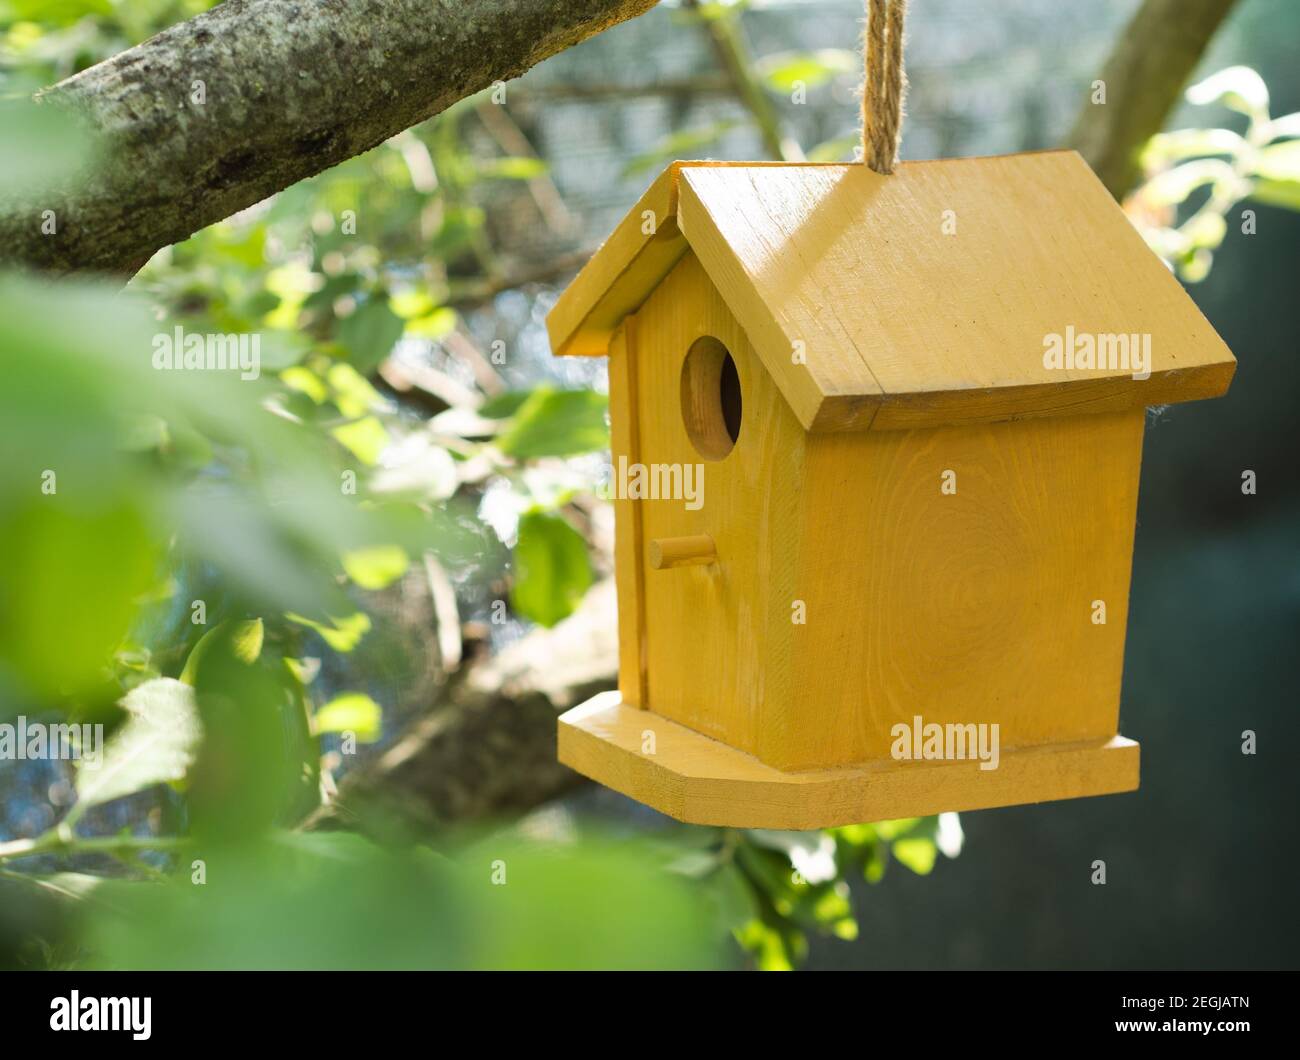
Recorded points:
(289, 88)
(487, 749)
(1153, 59)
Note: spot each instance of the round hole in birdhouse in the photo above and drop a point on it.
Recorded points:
(711, 398)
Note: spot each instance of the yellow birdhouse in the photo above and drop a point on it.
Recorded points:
(876, 443)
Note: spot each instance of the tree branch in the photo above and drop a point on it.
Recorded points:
(288, 89)
(1154, 57)
(488, 748)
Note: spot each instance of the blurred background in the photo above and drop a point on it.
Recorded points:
(354, 733)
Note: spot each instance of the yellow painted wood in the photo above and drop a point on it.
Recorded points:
(917, 521)
(624, 445)
(627, 266)
(691, 551)
(701, 781)
(973, 606)
(919, 299)
(852, 591)
(924, 298)
(711, 662)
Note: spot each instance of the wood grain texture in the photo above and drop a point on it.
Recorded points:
(923, 298)
(619, 276)
(713, 645)
(702, 781)
(853, 590)
(627, 266)
(624, 433)
(973, 606)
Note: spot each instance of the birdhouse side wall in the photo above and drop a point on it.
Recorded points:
(966, 575)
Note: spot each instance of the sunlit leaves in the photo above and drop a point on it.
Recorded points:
(1280, 162)
(69, 589)
(342, 634)
(155, 745)
(1165, 148)
(376, 567)
(334, 900)
(512, 169)
(244, 638)
(784, 71)
(552, 569)
(1238, 87)
(1173, 186)
(1283, 193)
(369, 334)
(557, 423)
(1261, 165)
(365, 438)
(797, 881)
(257, 763)
(353, 712)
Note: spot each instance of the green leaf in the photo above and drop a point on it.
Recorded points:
(552, 569)
(557, 423)
(155, 745)
(512, 169)
(376, 567)
(366, 438)
(1205, 229)
(1284, 193)
(1287, 125)
(1173, 186)
(1238, 88)
(351, 712)
(1165, 148)
(503, 406)
(343, 634)
(916, 853)
(71, 583)
(370, 334)
(1279, 161)
(782, 71)
(334, 900)
(811, 854)
(246, 644)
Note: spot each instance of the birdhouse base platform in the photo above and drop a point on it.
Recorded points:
(701, 781)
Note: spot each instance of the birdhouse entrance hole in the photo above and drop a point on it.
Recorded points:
(711, 398)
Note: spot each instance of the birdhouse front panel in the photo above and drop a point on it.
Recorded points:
(711, 630)
(905, 418)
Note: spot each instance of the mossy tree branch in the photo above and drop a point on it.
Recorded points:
(288, 89)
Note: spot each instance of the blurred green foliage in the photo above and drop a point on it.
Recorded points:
(1225, 167)
(173, 536)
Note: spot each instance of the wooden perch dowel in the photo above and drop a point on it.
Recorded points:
(695, 550)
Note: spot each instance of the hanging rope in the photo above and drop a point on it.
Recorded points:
(882, 97)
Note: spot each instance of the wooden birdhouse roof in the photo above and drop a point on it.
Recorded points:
(924, 298)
